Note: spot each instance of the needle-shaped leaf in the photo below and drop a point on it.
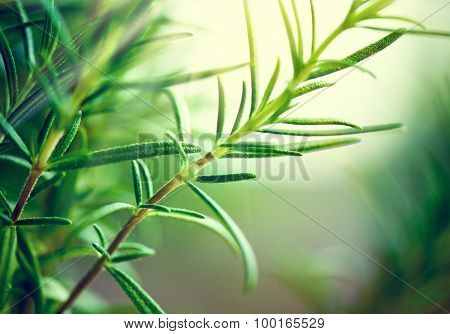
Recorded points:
(15, 160)
(225, 178)
(4, 205)
(43, 221)
(157, 207)
(180, 112)
(178, 145)
(253, 155)
(240, 114)
(220, 111)
(27, 33)
(138, 296)
(100, 235)
(67, 140)
(133, 255)
(320, 145)
(337, 65)
(137, 182)
(147, 183)
(308, 88)
(102, 251)
(316, 121)
(44, 183)
(256, 147)
(338, 132)
(187, 213)
(313, 26)
(5, 219)
(134, 246)
(30, 264)
(45, 129)
(94, 216)
(251, 267)
(402, 19)
(253, 58)
(8, 244)
(362, 54)
(119, 154)
(290, 35)
(270, 86)
(435, 33)
(9, 131)
(12, 89)
(300, 50)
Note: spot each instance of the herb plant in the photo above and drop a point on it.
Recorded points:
(58, 80)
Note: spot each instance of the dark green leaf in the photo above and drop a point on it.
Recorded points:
(12, 89)
(119, 154)
(44, 184)
(100, 235)
(43, 221)
(253, 58)
(30, 264)
(8, 243)
(252, 155)
(435, 33)
(299, 33)
(155, 207)
(146, 178)
(137, 182)
(338, 132)
(4, 205)
(16, 160)
(256, 147)
(27, 33)
(221, 110)
(362, 54)
(320, 145)
(67, 140)
(135, 255)
(316, 121)
(313, 27)
(9, 131)
(308, 88)
(179, 113)
(251, 268)
(225, 178)
(45, 129)
(143, 302)
(240, 114)
(102, 251)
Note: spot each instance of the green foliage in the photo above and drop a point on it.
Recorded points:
(12, 88)
(221, 111)
(225, 178)
(141, 299)
(100, 235)
(13, 136)
(8, 244)
(67, 140)
(241, 110)
(137, 182)
(43, 221)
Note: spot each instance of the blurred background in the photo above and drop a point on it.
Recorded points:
(359, 229)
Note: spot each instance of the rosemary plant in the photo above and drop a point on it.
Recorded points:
(60, 80)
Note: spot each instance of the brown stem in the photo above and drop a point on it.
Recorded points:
(33, 177)
(126, 230)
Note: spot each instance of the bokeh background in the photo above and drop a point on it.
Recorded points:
(357, 229)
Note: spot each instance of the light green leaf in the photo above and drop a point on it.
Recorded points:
(68, 138)
(119, 154)
(179, 146)
(134, 255)
(240, 114)
(308, 88)
(5, 219)
(102, 251)
(225, 178)
(270, 86)
(43, 221)
(338, 132)
(8, 244)
(143, 302)
(137, 182)
(251, 268)
(27, 33)
(15, 160)
(299, 33)
(221, 110)
(187, 213)
(290, 35)
(134, 246)
(320, 145)
(316, 121)
(253, 58)
(313, 26)
(435, 33)
(180, 112)
(45, 129)
(337, 65)
(9, 131)
(256, 147)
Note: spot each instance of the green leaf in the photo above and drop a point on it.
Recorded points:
(270, 86)
(299, 33)
(43, 184)
(43, 221)
(313, 26)
(4, 203)
(221, 110)
(12, 89)
(240, 114)
(9, 131)
(180, 112)
(50, 33)
(94, 216)
(320, 145)
(100, 235)
(187, 213)
(155, 207)
(338, 132)
(119, 154)
(225, 178)
(316, 121)
(30, 264)
(45, 129)
(403, 19)
(362, 54)
(253, 155)
(146, 178)
(253, 58)
(251, 268)
(134, 255)
(143, 302)
(435, 33)
(8, 244)
(27, 33)
(308, 88)
(173, 80)
(102, 251)
(137, 182)
(256, 147)
(5, 219)
(290, 35)
(337, 65)
(178, 146)
(67, 140)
